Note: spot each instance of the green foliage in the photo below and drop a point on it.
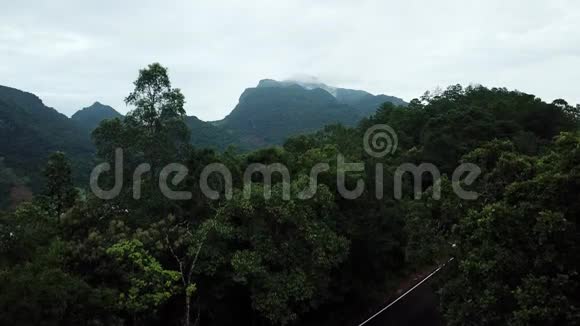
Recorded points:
(148, 284)
(8, 181)
(156, 103)
(286, 251)
(207, 135)
(520, 250)
(318, 261)
(36, 285)
(23, 231)
(60, 193)
(51, 294)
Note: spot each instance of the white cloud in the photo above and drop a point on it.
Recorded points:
(78, 52)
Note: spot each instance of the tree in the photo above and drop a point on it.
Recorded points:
(517, 257)
(60, 192)
(37, 286)
(41, 292)
(156, 103)
(187, 243)
(8, 179)
(323, 260)
(148, 284)
(153, 132)
(285, 251)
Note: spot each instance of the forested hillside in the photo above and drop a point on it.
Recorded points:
(30, 131)
(264, 117)
(203, 134)
(206, 135)
(268, 115)
(90, 117)
(273, 111)
(314, 258)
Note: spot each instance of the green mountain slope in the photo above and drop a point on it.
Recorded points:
(265, 115)
(365, 102)
(358, 99)
(205, 134)
(30, 131)
(269, 115)
(89, 118)
(273, 111)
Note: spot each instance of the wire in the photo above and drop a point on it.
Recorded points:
(409, 291)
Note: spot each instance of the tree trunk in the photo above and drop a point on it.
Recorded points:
(186, 321)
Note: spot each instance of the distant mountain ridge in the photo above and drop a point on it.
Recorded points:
(266, 115)
(30, 131)
(203, 134)
(357, 98)
(275, 110)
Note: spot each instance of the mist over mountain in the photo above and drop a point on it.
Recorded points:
(526, 148)
(290, 163)
(359, 99)
(274, 110)
(266, 115)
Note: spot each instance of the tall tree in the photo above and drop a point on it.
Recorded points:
(153, 132)
(155, 101)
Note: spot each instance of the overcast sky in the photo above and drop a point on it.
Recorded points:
(72, 53)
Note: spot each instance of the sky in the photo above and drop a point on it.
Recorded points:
(73, 53)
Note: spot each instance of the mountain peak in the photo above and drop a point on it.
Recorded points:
(90, 117)
(354, 97)
(269, 83)
(96, 106)
(311, 83)
(26, 100)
